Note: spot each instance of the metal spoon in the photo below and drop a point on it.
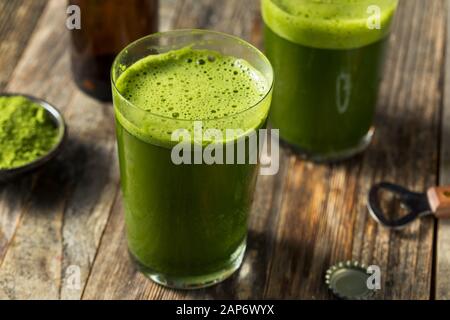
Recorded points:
(6, 175)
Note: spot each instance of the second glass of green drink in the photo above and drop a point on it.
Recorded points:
(328, 58)
(187, 223)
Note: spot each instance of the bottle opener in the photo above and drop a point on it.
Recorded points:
(436, 201)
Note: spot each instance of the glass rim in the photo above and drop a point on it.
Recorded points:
(193, 32)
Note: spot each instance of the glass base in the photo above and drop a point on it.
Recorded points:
(333, 156)
(195, 282)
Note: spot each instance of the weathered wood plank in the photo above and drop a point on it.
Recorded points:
(410, 157)
(69, 202)
(408, 153)
(443, 233)
(15, 31)
(231, 16)
(167, 13)
(16, 26)
(409, 150)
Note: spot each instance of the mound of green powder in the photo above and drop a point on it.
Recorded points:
(27, 132)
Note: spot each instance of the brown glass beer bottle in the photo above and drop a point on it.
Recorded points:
(107, 26)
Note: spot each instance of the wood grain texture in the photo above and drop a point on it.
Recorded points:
(60, 212)
(19, 18)
(443, 232)
(305, 219)
(15, 31)
(406, 149)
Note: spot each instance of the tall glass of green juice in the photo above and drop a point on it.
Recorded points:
(328, 57)
(187, 222)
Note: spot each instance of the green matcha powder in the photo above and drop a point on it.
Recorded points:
(27, 132)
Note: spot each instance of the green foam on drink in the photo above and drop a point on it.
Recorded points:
(329, 24)
(173, 89)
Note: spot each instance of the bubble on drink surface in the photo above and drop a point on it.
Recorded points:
(187, 85)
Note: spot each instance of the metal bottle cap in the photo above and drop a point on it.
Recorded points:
(348, 280)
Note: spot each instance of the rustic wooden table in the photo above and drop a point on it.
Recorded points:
(304, 219)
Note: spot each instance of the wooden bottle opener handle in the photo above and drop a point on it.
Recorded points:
(439, 200)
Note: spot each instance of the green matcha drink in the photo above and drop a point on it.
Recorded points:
(187, 224)
(327, 57)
